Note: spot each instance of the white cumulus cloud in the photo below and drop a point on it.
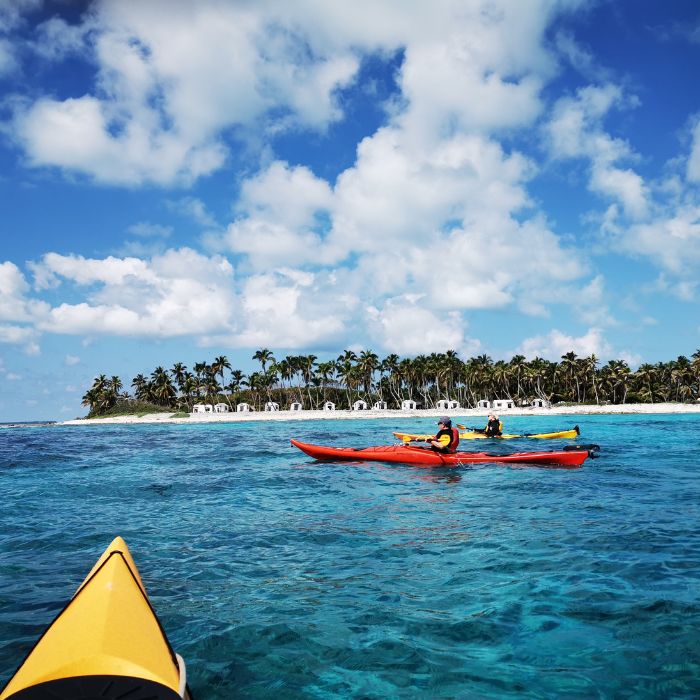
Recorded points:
(171, 78)
(672, 241)
(576, 130)
(180, 292)
(693, 168)
(279, 217)
(556, 343)
(408, 329)
(24, 336)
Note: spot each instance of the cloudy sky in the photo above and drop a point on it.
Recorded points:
(182, 180)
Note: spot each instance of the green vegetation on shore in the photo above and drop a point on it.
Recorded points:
(126, 406)
(425, 379)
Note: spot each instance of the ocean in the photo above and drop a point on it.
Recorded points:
(276, 576)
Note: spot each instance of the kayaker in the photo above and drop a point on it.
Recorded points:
(447, 437)
(494, 427)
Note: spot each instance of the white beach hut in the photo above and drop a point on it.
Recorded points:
(272, 406)
(408, 405)
(221, 408)
(202, 408)
(447, 404)
(329, 406)
(483, 404)
(379, 406)
(503, 404)
(295, 406)
(359, 405)
(243, 408)
(541, 403)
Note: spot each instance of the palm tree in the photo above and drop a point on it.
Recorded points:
(451, 367)
(285, 372)
(219, 365)
(419, 367)
(142, 389)
(189, 389)
(179, 372)
(695, 365)
(255, 382)
(390, 366)
(162, 388)
(569, 369)
(682, 378)
(644, 380)
(270, 378)
(200, 369)
(478, 375)
(103, 394)
(615, 378)
(115, 385)
(237, 381)
(501, 374)
(367, 364)
(428, 377)
(264, 356)
(518, 367)
(590, 365)
(345, 368)
(91, 398)
(408, 379)
(325, 371)
(307, 365)
(538, 373)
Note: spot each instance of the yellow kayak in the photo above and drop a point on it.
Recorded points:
(106, 643)
(473, 435)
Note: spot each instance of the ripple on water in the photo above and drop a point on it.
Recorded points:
(277, 576)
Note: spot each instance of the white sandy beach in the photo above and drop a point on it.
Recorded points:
(461, 415)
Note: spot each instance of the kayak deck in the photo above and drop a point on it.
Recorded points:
(107, 642)
(424, 457)
(475, 435)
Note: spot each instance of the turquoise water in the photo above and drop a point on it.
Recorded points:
(279, 577)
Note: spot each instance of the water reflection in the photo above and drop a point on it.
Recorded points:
(440, 476)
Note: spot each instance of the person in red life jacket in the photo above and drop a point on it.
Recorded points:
(447, 437)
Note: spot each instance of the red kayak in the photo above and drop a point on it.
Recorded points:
(422, 457)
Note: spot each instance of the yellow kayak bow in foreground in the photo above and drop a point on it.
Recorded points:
(106, 643)
(473, 435)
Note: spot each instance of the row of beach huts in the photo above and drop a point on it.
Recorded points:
(406, 405)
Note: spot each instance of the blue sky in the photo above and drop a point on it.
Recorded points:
(182, 180)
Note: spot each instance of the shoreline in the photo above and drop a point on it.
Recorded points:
(456, 414)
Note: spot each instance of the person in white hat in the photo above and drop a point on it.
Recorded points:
(494, 428)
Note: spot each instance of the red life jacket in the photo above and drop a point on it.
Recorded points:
(453, 443)
(455, 440)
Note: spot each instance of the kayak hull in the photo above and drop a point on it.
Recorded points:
(425, 457)
(473, 435)
(89, 687)
(107, 642)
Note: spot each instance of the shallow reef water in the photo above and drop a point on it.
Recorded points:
(276, 576)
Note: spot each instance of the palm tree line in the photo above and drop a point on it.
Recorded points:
(425, 379)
